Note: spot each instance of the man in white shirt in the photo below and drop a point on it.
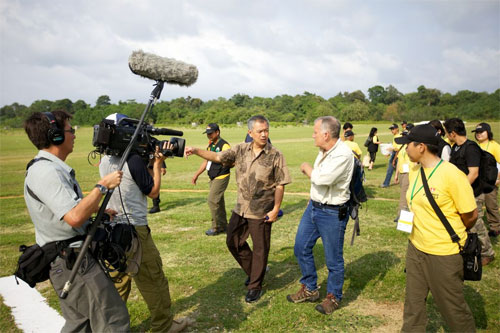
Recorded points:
(326, 215)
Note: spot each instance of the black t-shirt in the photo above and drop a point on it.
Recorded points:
(139, 171)
(467, 155)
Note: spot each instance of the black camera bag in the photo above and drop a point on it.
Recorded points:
(33, 265)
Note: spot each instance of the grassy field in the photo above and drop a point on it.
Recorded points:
(205, 281)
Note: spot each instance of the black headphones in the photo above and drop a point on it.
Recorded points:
(55, 134)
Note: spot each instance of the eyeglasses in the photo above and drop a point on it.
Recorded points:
(71, 130)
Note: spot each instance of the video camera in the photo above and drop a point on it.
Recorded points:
(113, 138)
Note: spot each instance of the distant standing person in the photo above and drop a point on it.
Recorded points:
(484, 137)
(156, 201)
(466, 155)
(219, 179)
(444, 147)
(349, 141)
(347, 127)
(326, 216)
(261, 175)
(392, 159)
(433, 262)
(373, 146)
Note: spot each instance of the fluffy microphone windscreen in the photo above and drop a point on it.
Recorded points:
(162, 69)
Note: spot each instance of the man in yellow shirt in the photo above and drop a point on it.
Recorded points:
(433, 261)
(484, 137)
(349, 141)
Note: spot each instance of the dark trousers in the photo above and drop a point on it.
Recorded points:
(253, 262)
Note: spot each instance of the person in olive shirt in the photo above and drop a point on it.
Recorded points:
(219, 179)
(261, 176)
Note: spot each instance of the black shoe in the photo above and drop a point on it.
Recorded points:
(213, 232)
(493, 233)
(247, 281)
(154, 209)
(253, 295)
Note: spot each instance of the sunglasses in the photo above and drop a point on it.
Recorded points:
(71, 130)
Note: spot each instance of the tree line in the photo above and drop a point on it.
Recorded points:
(387, 104)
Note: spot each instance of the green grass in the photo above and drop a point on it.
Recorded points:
(205, 281)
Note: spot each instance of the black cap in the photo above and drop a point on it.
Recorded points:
(348, 133)
(409, 126)
(212, 127)
(482, 127)
(393, 126)
(404, 122)
(421, 133)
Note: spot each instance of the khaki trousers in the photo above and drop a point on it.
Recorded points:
(443, 277)
(151, 282)
(217, 204)
(492, 216)
(480, 229)
(403, 184)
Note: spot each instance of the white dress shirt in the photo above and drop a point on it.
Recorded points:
(332, 174)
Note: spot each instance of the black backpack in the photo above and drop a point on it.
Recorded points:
(358, 194)
(488, 171)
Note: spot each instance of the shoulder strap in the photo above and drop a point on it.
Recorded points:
(30, 163)
(453, 235)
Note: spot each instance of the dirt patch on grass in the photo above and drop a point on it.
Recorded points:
(390, 313)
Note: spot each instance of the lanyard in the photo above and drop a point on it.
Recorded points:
(415, 183)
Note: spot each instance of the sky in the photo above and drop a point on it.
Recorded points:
(79, 49)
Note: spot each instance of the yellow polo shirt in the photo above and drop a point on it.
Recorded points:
(451, 189)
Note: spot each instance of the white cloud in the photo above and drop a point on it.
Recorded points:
(79, 50)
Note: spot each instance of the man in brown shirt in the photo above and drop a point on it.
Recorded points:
(261, 175)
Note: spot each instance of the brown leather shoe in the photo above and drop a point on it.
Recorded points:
(328, 305)
(303, 295)
(486, 260)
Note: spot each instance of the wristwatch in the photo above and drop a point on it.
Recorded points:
(103, 189)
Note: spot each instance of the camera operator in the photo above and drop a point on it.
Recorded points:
(137, 185)
(59, 212)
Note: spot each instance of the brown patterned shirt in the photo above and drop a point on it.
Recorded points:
(256, 177)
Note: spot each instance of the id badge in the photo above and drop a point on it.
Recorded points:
(406, 168)
(209, 164)
(405, 222)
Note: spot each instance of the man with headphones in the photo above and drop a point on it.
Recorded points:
(60, 212)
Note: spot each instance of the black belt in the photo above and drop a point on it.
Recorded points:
(327, 206)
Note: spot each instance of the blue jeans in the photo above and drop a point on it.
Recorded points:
(390, 170)
(324, 223)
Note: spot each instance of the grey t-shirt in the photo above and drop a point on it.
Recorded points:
(53, 183)
(136, 183)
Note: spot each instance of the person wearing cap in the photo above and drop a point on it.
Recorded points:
(261, 176)
(219, 179)
(404, 124)
(392, 158)
(346, 127)
(466, 155)
(433, 261)
(484, 137)
(130, 203)
(349, 141)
